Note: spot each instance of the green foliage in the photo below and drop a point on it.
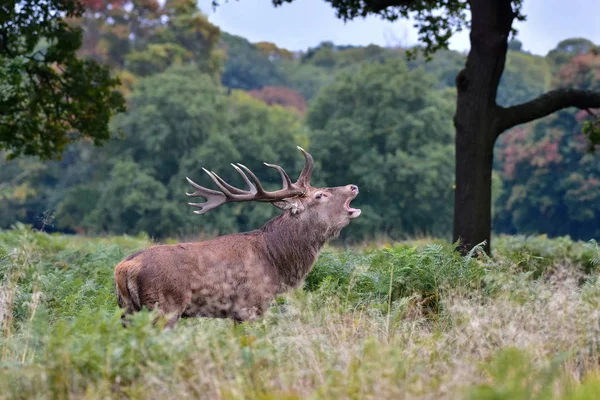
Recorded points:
(594, 249)
(592, 130)
(49, 97)
(170, 114)
(525, 77)
(566, 49)
(535, 253)
(245, 67)
(379, 121)
(156, 58)
(395, 274)
(146, 37)
(248, 66)
(444, 66)
(131, 202)
(178, 122)
(307, 79)
(432, 315)
(390, 133)
(550, 176)
(550, 180)
(515, 376)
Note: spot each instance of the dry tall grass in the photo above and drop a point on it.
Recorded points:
(516, 335)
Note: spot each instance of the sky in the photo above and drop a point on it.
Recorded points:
(306, 23)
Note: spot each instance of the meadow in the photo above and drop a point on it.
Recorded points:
(403, 320)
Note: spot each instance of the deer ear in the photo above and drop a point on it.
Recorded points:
(289, 204)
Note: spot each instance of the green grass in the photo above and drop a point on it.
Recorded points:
(411, 320)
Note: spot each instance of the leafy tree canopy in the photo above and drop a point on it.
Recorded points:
(146, 37)
(48, 96)
(374, 119)
(551, 180)
(178, 121)
(247, 66)
(282, 96)
(388, 128)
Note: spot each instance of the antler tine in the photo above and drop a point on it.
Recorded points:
(304, 178)
(206, 206)
(226, 187)
(231, 193)
(287, 182)
(218, 181)
(213, 198)
(250, 184)
(201, 191)
(259, 188)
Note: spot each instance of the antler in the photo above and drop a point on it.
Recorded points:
(230, 194)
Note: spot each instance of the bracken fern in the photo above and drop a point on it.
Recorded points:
(405, 321)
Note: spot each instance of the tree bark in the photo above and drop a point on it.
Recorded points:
(546, 104)
(476, 121)
(479, 120)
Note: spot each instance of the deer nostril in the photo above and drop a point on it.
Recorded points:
(354, 188)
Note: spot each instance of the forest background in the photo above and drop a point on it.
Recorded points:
(199, 97)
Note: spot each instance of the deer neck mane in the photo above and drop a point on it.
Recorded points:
(293, 244)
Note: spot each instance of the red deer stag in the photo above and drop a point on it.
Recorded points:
(236, 276)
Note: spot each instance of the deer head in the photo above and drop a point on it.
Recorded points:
(328, 207)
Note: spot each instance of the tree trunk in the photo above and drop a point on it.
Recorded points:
(477, 121)
(472, 196)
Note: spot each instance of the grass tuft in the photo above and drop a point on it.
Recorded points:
(411, 320)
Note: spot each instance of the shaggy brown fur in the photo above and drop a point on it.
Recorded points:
(235, 276)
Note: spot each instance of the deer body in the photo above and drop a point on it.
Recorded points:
(236, 276)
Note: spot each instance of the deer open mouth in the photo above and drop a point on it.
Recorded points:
(354, 212)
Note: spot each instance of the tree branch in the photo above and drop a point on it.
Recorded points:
(546, 104)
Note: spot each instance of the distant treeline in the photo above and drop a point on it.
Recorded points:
(198, 97)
